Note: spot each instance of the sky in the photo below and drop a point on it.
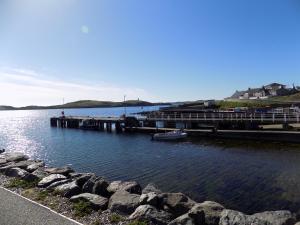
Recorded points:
(158, 50)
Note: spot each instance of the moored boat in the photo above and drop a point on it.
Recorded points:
(169, 136)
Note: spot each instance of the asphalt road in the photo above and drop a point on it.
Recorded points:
(16, 210)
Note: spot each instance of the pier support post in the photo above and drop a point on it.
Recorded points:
(53, 122)
(108, 126)
(118, 127)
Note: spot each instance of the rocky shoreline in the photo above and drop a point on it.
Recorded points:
(91, 199)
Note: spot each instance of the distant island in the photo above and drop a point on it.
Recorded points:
(86, 104)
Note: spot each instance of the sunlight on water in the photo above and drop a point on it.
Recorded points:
(247, 176)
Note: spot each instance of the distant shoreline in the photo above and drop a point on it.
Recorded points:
(85, 104)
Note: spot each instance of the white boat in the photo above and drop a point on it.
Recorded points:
(173, 135)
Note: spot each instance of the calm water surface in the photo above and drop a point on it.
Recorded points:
(246, 176)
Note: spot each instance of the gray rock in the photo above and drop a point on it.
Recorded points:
(185, 219)
(150, 213)
(35, 166)
(176, 203)
(212, 211)
(129, 186)
(63, 170)
(15, 157)
(232, 217)
(20, 173)
(82, 178)
(151, 188)
(123, 202)
(20, 164)
(46, 181)
(89, 185)
(3, 161)
(151, 198)
(40, 173)
(6, 166)
(100, 188)
(282, 217)
(97, 201)
(58, 183)
(298, 223)
(69, 189)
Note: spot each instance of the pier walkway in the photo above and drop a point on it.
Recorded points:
(16, 210)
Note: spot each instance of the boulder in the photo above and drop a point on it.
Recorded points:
(69, 189)
(151, 214)
(231, 217)
(97, 201)
(212, 211)
(40, 173)
(6, 166)
(151, 188)
(3, 161)
(20, 173)
(282, 217)
(89, 185)
(46, 181)
(81, 178)
(176, 203)
(15, 157)
(129, 186)
(34, 166)
(151, 198)
(63, 170)
(100, 188)
(58, 183)
(123, 202)
(185, 219)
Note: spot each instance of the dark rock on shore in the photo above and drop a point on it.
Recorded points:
(100, 188)
(89, 185)
(232, 217)
(123, 202)
(69, 189)
(15, 157)
(58, 183)
(20, 173)
(81, 178)
(176, 203)
(40, 173)
(34, 166)
(63, 170)
(151, 198)
(97, 201)
(150, 213)
(129, 186)
(212, 211)
(46, 181)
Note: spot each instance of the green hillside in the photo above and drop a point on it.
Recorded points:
(85, 104)
(288, 98)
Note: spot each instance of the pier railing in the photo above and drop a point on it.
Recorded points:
(226, 116)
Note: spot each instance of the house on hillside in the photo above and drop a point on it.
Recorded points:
(276, 89)
(273, 89)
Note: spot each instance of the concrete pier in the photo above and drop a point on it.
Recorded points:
(225, 125)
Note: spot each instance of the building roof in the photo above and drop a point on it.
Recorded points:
(275, 85)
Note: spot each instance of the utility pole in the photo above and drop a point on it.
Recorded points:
(125, 105)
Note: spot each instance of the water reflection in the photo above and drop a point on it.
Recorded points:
(245, 175)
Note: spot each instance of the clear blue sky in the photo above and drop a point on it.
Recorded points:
(158, 50)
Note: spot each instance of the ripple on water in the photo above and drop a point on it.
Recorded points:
(241, 175)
